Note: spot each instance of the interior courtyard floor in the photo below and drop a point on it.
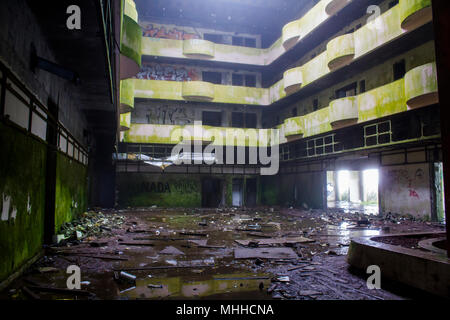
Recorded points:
(226, 253)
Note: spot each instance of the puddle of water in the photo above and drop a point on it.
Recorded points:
(239, 285)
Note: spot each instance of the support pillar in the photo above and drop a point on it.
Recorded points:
(441, 12)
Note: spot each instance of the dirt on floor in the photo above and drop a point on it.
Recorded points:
(258, 253)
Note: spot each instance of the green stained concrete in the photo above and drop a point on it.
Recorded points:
(198, 47)
(21, 238)
(126, 95)
(421, 81)
(198, 90)
(340, 47)
(125, 121)
(343, 109)
(131, 36)
(137, 190)
(71, 190)
(410, 7)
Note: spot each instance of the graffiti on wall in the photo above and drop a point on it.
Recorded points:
(164, 187)
(162, 32)
(167, 73)
(170, 115)
(402, 176)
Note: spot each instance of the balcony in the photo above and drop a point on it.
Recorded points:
(125, 121)
(415, 13)
(130, 44)
(340, 51)
(421, 86)
(335, 6)
(126, 96)
(293, 128)
(198, 91)
(293, 80)
(343, 112)
(218, 136)
(291, 34)
(198, 48)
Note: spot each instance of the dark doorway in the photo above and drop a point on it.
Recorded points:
(237, 192)
(250, 191)
(211, 193)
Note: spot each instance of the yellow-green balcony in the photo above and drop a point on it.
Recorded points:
(415, 13)
(293, 128)
(198, 48)
(126, 96)
(198, 91)
(125, 121)
(175, 134)
(292, 80)
(130, 43)
(340, 51)
(335, 5)
(421, 87)
(343, 112)
(291, 34)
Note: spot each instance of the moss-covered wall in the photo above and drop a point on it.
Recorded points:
(144, 190)
(71, 190)
(22, 185)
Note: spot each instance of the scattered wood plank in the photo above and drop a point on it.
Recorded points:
(274, 241)
(211, 247)
(61, 290)
(189, 233)
(261, 235)
(30, 294)
(137, 243)
(104, 257)
(163, 267)
(265, 253)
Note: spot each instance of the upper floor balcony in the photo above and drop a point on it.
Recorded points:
(341, 51)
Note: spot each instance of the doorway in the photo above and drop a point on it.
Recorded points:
(353, 190)
(250, 192)
(211, 193)
(237, 192)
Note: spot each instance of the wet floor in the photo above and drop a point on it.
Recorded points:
(191, 254)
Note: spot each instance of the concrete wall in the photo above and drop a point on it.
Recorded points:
(406, 189)
(22, 202)
(179, 113)
(23, 157)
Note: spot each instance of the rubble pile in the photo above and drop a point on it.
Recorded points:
(92, 224)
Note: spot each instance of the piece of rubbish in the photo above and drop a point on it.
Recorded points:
(283, 279)
(30, 294)
(265, 253)
(155, 286)
(122, 275)
(98, 244)
(309, 293)
(86, 283)
(57, 238)
(129, 289)
(272, 288)
(47, 269)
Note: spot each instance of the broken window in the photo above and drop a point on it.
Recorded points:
(213, 77)
(399, 70)
(212, 118)
(347, 91)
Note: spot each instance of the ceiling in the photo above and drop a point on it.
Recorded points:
(265, 17)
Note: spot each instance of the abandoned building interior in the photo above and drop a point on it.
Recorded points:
(227, 149)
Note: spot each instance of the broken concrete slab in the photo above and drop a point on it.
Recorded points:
(274, 241)
(265, 253)
(171, 251)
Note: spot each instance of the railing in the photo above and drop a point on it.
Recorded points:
(20, 108)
